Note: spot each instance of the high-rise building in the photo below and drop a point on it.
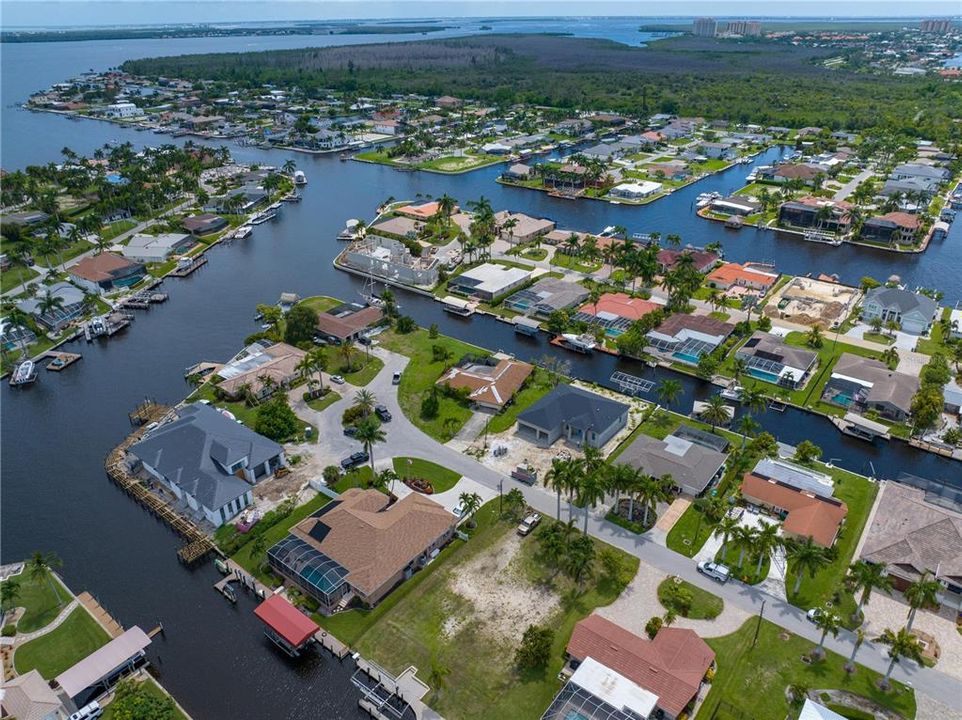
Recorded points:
(747, 28)
(936, 25)
(705, 27)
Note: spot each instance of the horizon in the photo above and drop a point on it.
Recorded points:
(68, 14)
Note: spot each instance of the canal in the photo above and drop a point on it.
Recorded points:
(56, 434)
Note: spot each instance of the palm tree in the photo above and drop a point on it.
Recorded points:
(814, 339)
(651, 491)
(627, 479)
(515, 502)
(754, 399)
(716, 411)
(470, 503)
(591, 491)
(364, 398)
(827, 622)
(41, 566)
(369, 433)
(901, 644)
(668, 391)
(747, 426)
(347, 352)
(766, 542)
(924, 592)
(807, 557)
(9, 592)
(744, 538)
(289, 167)
(579, 557)
(856, 644)
(865, 577)
(725, 528)
(558, 478)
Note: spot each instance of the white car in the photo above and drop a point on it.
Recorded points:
(716, 571)
(458, 511)
(529, 524)
(337, 379)
(812, 614)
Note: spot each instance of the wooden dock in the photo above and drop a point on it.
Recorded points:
(104, 618)
(332, 644)
(199, 545)
(61, 360)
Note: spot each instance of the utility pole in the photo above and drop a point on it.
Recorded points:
(758, 627)
(500, 504)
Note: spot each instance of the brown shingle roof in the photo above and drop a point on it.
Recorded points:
(281, 368)
(671, 666)
(98, 268)
(374, 540)
(808, 515)
(674, 324)
(493, 386)
(343, 327)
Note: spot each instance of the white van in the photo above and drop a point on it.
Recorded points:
(716, 571)
(88, 712)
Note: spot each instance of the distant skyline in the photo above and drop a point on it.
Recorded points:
(74, 13)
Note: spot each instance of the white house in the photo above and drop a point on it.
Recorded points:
(635, 191)
(123, 110)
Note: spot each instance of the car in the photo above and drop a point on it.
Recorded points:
(337, 379)
(364, 340)
(350, 430)
(812, 615)
(716, 571)
(397, 377)
(458, 511)
(382, 412)
(355, 459)
(529, 524)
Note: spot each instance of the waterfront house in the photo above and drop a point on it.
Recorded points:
(814, 212)
(489, 385)
(909, 186)
(912, 532)
(29, 697)
(615, 312)
(240, 200)
(73, 304)
(860, 383)
(635, 190)
(579, 416)
(398, 227)
(912, 311)
(893, 227)
(546, 296)
(524, 227)
(203, 224)
(729, 274)
(920, 171)
(686, 337)
(391, 259)
(770, 358)
(672, 666)
(208, 460)
(101, 670)
(694, 459)
(121, 110)
(106, 272)
(736, 205)
(423, 211)
(156, 248)
(701, 260)
(359, 547)
(347, 321)
(787, 172)
(805, 513)
(518, 172)
(596, 692)
(244, 376)
(717, 150)
(489, 281)
(15, 337)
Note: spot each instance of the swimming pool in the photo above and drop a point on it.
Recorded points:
(686, 357)
(762, 375)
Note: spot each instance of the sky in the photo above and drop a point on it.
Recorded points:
(66, 13)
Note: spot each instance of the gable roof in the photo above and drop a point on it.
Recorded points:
(342, 324)
(28, 697)
(903, 300)
(286, 620)
(690, 464)
(102, 267)
(578, 408)
(809, 515)
(676, 323)
(100, 663)
(620, 305)
(886, 386)
(490, 385)
(733, 272)
(279, 362)
(671, 666)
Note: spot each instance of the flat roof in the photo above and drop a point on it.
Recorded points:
(613, 687)
(286, 620)
(103, 662)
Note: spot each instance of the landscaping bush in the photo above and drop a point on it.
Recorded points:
(9, 630)
(301, 324)
(430, 406)
(354, 414)
(653, 626)
(405, 324)
(276, 420)
(331, 474)
(535, 648)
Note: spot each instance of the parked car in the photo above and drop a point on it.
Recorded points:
(458, 511)
(350, 430)
(716, 571)
(337, 379)
(355, 459)
(88, 712)
(397, 377)
(382, 412)
(529, 524)
(813, 614)
(364, 340)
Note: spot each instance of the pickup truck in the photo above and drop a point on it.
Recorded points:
(529, 524)
(383, 413)
(716, 571)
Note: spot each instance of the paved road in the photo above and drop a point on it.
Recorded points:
(849, 187)
(403, 438)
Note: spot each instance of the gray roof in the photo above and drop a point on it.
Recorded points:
(921, 170)
(690, 464)
(188, 450)
(903, 300)
(772, 347)
(556, 294)
(578, 408)
(887, 385)
(70, 294)
(798, 477)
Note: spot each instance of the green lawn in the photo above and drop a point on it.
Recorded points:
(704, 605)
(360, 477)
(420, 375)
(440, 477)
(880, 338)
(68, 254)
(368, 371)
(537, 386)
(323, 403)
(753, 680)
(51, 654)
(459, 164)
(16, 275)
(690, 532)
(150, 687)
(320, 303)
(749, 572)
(573, 262)
(109, 232)
(42, 599)
(935, 341)
(482, 682)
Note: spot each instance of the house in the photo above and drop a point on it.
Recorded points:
(701, 259)
(912, 311)
(672, 666)
(687, 337)
(203, 224)
(694, 462)
(247, 372)
(489, 281)
(489, 385)
(912, 532)
(813, 212)
(391, 258)
(910, 186)
(806, 514)
(728, 275)
(26, 218)
(360, 546)
(239, 200)
(347, 322)
(920, 171)
(717, 150)
(387, 126)
(546, 296)
(673, 170)
(156, 248)
(423, 211)
(788, 172)
(770, 358)
(736, 205)
(448, 103)
(521, 228)
(73, 304)
(97, 673)
(15, 337)
(860, 383)
(29, 697)
(122, 110)
(893, 227)
(207, 460)
(517, 172)
(596, 692)
(106, 272)
(615, 312)
(634, 190)
(285, 625)
(400, 227)
(581, 417)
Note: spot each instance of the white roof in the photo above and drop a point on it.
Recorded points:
(813, 711)
(643, 188)
(492, 278)
(103, 662)
(614, 688)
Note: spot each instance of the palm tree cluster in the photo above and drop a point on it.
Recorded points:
(565, 549)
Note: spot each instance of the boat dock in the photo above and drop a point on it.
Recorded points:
(61, 360)
(236, 575)
(386, 697)
(103, 618)
(199, 545)
(143, 300)
(188, 268)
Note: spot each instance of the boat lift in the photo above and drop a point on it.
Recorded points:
(631, 384)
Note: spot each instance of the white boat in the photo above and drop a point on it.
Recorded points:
(25, 372)
(300, 178)
(262, 217)
(732, 392)
(579, 343)
(275, 206)
(243, 232)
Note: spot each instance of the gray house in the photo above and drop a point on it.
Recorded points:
(862, 384)
(581, 417)
(913, 312)
(692, 461)
(208, 461)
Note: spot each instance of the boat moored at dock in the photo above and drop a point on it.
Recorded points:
(300, 178)
(24, 374)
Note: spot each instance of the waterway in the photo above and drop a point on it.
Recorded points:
(56, 434)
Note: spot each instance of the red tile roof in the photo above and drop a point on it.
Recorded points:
(286, 620)
(671, 666)
(102, 267)
(621, 305)
(808, 515)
